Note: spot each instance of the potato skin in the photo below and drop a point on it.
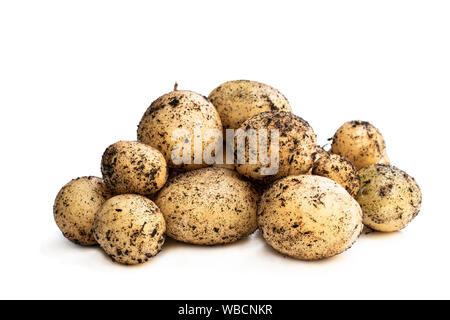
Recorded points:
(309, 217)
(208, 206)
(133, 167)
(75, 207)
(177, 110)
(339, 169)
(319, 153)
(389, 197)
(130, 229)
(297, 145)
(239, 100)
(230, 166)
(361, 143)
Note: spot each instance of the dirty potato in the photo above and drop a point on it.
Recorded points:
(361, 143)
(389, 197)
(75, 207)
(339, 169)
(179, 123)
(133, 167)
(309, 217)
(239, 100)
(208, 206)
(130, 229)
(291, 155)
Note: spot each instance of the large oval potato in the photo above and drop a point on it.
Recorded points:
(75, 207)
(239, 100)
(361, 143)
(296, 147)
(208, 206)
(309, 217)
(389, 197)
(170, 115)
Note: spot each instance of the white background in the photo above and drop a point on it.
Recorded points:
(77, 76)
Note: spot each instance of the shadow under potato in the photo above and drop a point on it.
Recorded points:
(370, 233)
(173, 243)
(269, 250)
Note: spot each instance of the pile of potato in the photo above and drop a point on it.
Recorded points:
(313, 207)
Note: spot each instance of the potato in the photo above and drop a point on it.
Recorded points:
(181, 110)
(389, 197)
(130, 228)
(319, 153)
(309, 217)
(297, 144)
(239, 100)
(361, 143)
(75, 207)
(224, 164)
(339, 169)
(208, 206)
(133, 167)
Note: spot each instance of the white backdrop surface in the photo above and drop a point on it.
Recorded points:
(77, 76)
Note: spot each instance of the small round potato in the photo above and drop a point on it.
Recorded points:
(319, 153)
(130, 228)
(239, 100)
(208, 206)
(75, 207)
(309, 217)
(133, 167)
(180, 122)
(296, 147)
(361, 143)
(390, 198)
(339, 169)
